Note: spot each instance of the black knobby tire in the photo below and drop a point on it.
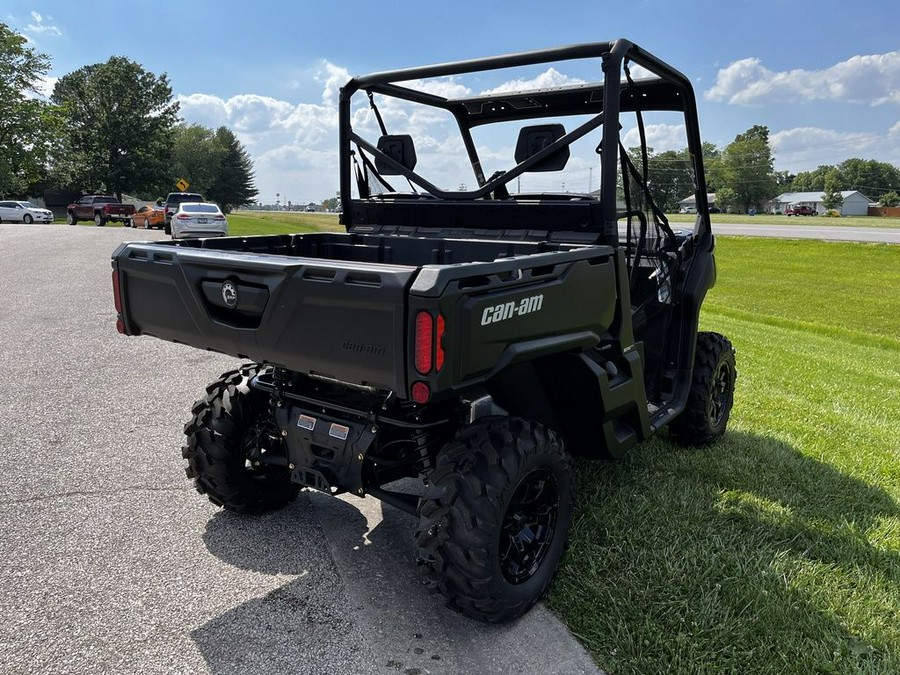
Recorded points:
(705, 416)
(168, 227)
(222, 436)
(494, 521)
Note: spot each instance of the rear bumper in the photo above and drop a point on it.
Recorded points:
(196, 234)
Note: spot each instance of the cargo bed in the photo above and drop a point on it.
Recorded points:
(337, 305)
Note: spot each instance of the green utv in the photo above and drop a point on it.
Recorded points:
(452, 349)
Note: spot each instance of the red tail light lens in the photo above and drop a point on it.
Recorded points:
(219, 218)
(420, 392)
(117, 300)
(424, 342)
(117, 294)
(183, 216)
(439, 346)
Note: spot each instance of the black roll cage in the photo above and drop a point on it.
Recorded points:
(669, 91)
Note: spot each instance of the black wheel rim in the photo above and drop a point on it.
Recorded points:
(719, 396)
(528, 526)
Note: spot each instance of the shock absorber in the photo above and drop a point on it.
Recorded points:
(281, 379)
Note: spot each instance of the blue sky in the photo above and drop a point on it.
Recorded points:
(823, 76)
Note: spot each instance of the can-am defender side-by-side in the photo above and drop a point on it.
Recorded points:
(452, 349)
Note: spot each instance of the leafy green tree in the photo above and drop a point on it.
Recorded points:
(726, 198)
(747, 167)
(868, 176)
(671, 178)
(119, 119)
(832, 198)
(811, 181)
(29, 127)
(712, 161)
(890, 198)
(233, 185)
(197, 155)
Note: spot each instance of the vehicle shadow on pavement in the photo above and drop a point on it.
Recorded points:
(352, 601)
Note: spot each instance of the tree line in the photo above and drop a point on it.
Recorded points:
(109, 127)
(743, 176)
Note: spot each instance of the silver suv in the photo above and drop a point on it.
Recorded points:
(173, 199)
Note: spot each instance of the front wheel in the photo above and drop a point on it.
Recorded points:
(230, 430)
(494, 521)
(27, 219)
(712, 393)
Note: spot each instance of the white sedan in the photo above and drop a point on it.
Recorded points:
(198, 219)
(24, 212)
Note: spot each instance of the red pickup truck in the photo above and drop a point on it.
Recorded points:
(99, 208)
(800, 210)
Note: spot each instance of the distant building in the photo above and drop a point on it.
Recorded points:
(855, 203)
(690, 203)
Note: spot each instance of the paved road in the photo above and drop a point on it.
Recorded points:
(112, 563)
(827, 232)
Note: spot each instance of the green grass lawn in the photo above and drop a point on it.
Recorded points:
(778, 549)
(766, 219)
(245, 223)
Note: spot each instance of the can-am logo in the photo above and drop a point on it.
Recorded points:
(229, 294)
(507, 310)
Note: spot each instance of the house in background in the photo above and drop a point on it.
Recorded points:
(855, 203)
(689, 204)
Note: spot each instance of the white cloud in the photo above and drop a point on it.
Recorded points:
(38, 27)
(548, 79)
(332, 79)
(805, 148)
(660, 137)
(872, 79)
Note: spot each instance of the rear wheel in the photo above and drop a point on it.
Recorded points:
(168, 227)
(70, 218)
(99, 220)
(230, 429)
(494, 521)
(712, 393)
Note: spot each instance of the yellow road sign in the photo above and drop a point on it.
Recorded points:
(182, 184)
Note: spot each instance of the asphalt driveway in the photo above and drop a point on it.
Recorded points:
(113, 564)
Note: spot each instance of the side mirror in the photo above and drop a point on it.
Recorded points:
(534, 139)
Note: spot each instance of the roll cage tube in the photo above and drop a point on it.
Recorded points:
(671, 91)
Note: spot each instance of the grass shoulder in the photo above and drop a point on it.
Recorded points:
(778, 549)
(769, 219)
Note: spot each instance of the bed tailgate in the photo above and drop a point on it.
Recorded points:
(339, 319)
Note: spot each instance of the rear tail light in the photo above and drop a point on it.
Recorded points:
(220, 218)
(439, 346)
(117, 293)
(421, 392)
(183, 216)
(424, 342)
(117, 300)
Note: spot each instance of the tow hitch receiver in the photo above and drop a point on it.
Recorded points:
(324, 452)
